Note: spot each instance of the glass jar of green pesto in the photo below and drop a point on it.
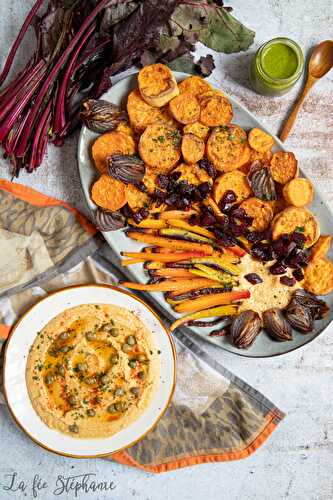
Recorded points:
(276, 67)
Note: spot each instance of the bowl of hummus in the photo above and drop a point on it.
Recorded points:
(89, 370)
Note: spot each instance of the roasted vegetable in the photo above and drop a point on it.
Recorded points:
(298, 192)
(180, 296)
(108, 144)
(160, 257)
(223, 262)
(208, 272)
(169, 243)
(283, 167)
(261, 181)
(260, 141)
(169, 285)
(226, 310)
(299, 316)
(212, 300)
(108, 193)
(318, 307)
(276, 325)
(184, 234)
(109, 221)
(101, 116)
(245, 328)
(128, 169)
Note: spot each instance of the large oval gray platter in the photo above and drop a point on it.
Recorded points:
(263, 346)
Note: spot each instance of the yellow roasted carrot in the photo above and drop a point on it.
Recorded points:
(149, 223)
(211, 203)
(182, 224)
(208, 272)
(154, 265)
(168, 285)
(176, 214)
(228, 310)
(208, 301)
(150, 239)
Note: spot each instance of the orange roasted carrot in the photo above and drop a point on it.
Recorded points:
(173, 272)
(236, 250)
(168, 285)
(170, 243)
(161, 257)
(130, 262)
(208, 301)
(176, 214)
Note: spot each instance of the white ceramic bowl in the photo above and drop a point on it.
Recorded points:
(16, 353)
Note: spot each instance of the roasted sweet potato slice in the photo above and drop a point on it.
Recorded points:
(296, 218)
(108, 193)
(142, 114)
(260, 141)
(125, 128)
(261, 212)
(208, 94)
(235, 181)
(135, 198)
(321, 248)
(215, 111)
(226, 148)
(108, 144)
(277, 205)
(193, 174)
(263, 157)
(283, 167)
(193, 148)
(194, 84)
(318, 277)
(185, 108)
(157, 84)
(197, 129)
(298, 192)
(159, 147)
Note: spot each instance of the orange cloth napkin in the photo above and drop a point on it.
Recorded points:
(214, 416)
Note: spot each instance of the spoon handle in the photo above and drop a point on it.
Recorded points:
(292, 117)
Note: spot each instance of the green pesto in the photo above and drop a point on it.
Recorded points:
(279, 61)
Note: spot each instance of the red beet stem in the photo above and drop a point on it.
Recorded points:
(22, 102)
(11, 89)
(12, 138)
(15, 46)
(21, 151)
(39, 135)
(59, 122)
(15, 95)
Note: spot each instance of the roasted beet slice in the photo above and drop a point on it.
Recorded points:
(253, 278)
(285, 280)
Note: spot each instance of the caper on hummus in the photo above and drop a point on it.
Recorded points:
(92, 370)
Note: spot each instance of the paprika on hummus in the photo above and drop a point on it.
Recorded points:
(92, 370)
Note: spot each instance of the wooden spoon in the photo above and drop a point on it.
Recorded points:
(321, 61)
